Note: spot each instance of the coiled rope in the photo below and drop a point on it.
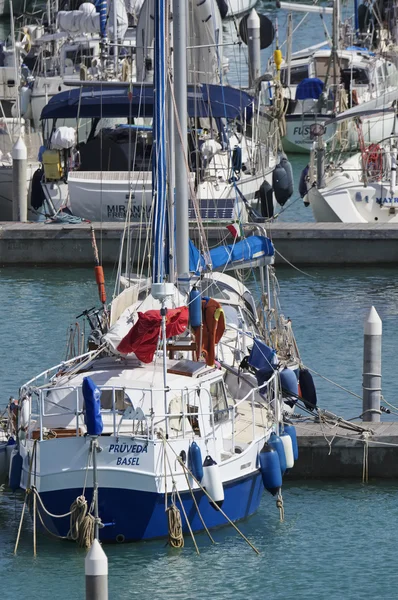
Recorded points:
(81, 529)
(176, 538)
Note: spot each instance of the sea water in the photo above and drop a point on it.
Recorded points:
(338, 540)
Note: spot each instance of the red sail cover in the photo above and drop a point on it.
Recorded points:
(142, 339)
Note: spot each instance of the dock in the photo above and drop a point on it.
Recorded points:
(332, 452)
(303, 244)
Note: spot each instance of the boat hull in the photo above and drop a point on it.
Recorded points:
(131, 515)
(353, 203)
(297, 139)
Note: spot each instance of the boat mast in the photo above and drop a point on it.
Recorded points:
(159, 172)
(160, 289)
(181, 121)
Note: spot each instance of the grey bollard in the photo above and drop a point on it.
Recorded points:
(19, 183)
(253, 46)
(371, 378)
(96, 569)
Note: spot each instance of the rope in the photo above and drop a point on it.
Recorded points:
(294, 266)
(27, 492)
(82, 523)
(279, 505)
(175, 491)
(211, 499)
(176, 539)
(197, 507)
(81, 528)
(365, 462)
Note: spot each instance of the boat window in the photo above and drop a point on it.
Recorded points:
(380, 77)
(122, 401)
(213, 290)
(219, 400)
(361, 76)
(232, 315)
(297, 74)
(80, 55)
(251, 324)
(321, 67)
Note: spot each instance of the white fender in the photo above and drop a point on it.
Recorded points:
(212, 480)
(288, 448)
(25, 412)
(25, 102)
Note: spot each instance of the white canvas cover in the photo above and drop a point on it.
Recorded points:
(63, 138)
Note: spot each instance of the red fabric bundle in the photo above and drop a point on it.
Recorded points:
(142, 339)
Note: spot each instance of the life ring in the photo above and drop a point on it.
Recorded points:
(209, 334)
(374, 160)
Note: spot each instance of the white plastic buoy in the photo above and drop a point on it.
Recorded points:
(288, 448)
(253, 46)
(371, 378)
(19, 185)
(212, 481)
(96, 569)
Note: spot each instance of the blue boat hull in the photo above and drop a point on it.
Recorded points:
(130, 515)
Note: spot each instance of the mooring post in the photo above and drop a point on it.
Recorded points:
(371, 378)
(19, 187)
(96, 569)
(253, 46)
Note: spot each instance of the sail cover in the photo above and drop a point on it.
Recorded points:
(143, 337)
(137, 100)
(87, 20)
(252, 251)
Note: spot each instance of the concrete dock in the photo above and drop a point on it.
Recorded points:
(299, 243)
(333, 452)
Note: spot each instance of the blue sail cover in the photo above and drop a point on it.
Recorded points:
(309, 88)
(137, 100)
(253, 248)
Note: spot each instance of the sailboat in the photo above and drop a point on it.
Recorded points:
(324, 80)
(155, 425)
(104, 172)
(361, 188)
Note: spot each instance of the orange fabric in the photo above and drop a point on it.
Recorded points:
(142, 339)
(211, 330)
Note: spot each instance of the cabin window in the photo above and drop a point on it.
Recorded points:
(81, 55)
(321, 67)
(219, 401)
(122, 401)
(297, 74)
(232, 315)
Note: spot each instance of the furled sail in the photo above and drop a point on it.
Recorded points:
(204, 56)
(253, 251)
(87, 20)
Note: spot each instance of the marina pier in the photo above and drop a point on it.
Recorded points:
(324, 244)
(331, 452)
